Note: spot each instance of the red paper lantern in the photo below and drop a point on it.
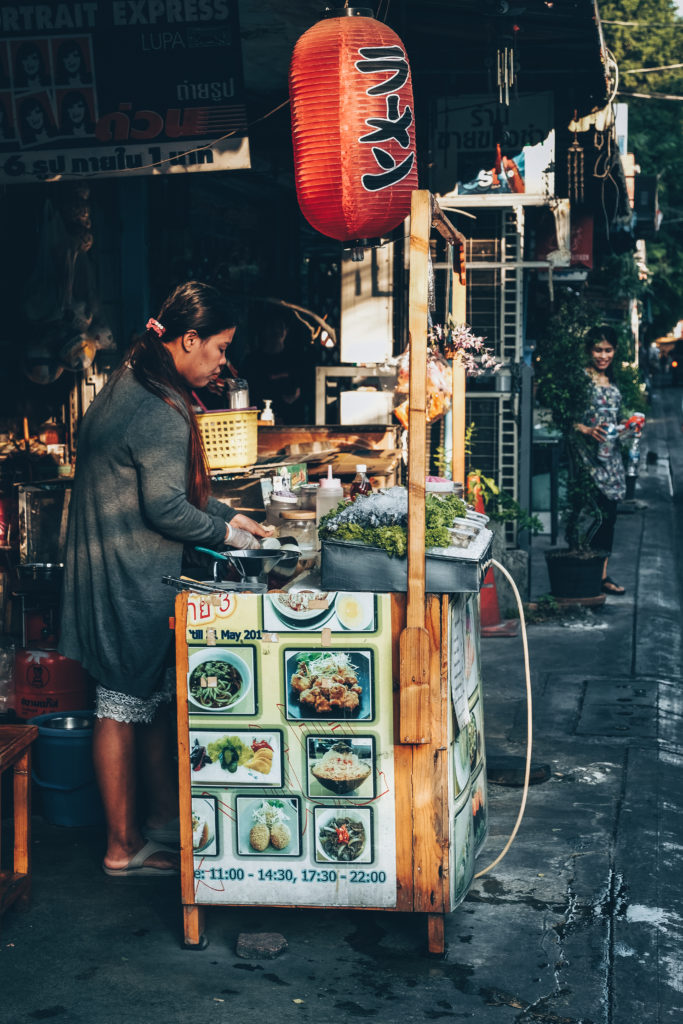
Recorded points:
(352, 126)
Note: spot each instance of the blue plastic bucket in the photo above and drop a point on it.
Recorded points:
(63, 769)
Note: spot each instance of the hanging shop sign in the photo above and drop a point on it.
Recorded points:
(467, 128)
(353, 127)
(103, 89)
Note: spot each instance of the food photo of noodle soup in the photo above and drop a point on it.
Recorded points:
(341, 766)
(221, 679)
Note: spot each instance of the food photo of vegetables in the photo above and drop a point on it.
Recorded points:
(237, 758)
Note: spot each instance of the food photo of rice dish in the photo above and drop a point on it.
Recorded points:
(340, 770)
(327, 683)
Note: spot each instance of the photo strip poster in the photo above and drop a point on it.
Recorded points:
(68, 109)
(291, 750)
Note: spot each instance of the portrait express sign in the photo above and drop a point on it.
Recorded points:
(120, 87)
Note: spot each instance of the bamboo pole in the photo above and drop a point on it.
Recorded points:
(415, 648)
(458, 418)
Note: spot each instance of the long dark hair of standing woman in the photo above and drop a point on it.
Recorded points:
(192, 306)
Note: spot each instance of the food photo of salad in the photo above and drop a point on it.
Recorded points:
(238, 758)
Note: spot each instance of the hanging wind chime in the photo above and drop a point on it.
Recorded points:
(575, 170)
(353, 129)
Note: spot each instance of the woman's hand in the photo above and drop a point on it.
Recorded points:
(251, 526)
(597, 433)
(242, 532)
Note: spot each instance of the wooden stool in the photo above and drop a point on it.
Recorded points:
(15, 753)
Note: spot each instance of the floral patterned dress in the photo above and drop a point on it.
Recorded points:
(606, 470)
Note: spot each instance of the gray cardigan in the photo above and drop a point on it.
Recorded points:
(128, 521)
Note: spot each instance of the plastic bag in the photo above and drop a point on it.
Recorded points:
(439, 387)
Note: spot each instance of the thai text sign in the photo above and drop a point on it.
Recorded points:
(130, 86)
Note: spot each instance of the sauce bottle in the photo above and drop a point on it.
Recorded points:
(360, 483)
(330, 493)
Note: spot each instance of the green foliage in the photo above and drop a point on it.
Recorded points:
(653, 39)
(563, 389)
(501, 507)
(348, 522)
(627, 378)
(441, 459)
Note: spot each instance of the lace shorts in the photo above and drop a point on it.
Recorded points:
(121, 707)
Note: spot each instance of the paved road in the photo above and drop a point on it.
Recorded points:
(580, 924)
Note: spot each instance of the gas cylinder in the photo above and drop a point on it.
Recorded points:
(46, 681)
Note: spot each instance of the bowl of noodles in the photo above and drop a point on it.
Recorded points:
(340, 770)
(218, 679)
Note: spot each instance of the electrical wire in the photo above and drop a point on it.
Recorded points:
(646, 71)
(527, 767)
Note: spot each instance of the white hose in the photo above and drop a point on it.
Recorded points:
(527, 770)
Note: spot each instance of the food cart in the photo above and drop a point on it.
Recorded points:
(331, 746)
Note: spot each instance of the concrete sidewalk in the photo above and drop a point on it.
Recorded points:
(579, 924)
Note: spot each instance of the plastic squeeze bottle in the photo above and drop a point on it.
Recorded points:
(360, 483)
(330, 493)
(267, 418)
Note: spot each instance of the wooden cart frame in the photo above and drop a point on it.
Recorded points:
(420, 632)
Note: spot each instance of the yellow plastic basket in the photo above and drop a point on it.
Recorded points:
(230, 437)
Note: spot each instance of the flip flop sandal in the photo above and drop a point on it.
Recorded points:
(610, 587)
(167, 835)
(136, 866)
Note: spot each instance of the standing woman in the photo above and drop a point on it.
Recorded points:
(602, 454)
(141, 491)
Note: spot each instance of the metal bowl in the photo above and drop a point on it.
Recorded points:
(68, 722)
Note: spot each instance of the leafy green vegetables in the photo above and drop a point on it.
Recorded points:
(380, 520)
(230, 752)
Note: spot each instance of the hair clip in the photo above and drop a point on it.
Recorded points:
(154, 325)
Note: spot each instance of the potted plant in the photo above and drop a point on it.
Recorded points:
(563, 390)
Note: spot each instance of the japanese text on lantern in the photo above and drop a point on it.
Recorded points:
(378, 59)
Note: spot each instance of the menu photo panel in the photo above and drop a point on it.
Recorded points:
(329, 684)
(236, 757)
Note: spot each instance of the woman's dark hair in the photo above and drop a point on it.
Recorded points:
(192, 306)
(63, 77)
(28, 133)
(595, 336)
(28, 49)
(68, 101)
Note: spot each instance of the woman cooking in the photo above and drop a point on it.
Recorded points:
(141, 491)
(603, 457)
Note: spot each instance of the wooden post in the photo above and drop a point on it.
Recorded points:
(193, 915)
(415, 647)
(458, 418)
